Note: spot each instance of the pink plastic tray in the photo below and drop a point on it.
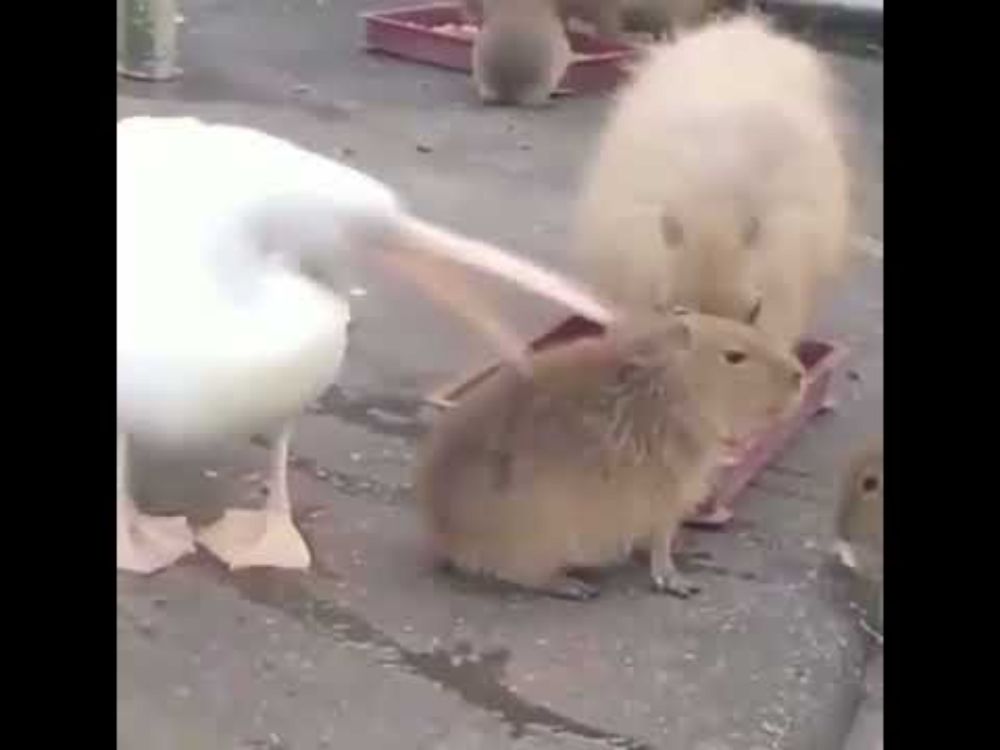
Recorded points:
(819, 358)
(410, 33)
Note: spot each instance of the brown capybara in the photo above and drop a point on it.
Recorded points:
(664, 17)
(520, 53)
(720, 182)
(605, 447)
(603, 15)
(609, 18)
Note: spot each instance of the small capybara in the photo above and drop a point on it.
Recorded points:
(604, 447)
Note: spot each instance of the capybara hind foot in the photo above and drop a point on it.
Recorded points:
(567, 587)
(675, 584)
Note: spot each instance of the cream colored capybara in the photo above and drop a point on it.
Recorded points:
(721, 182)
(605, 446)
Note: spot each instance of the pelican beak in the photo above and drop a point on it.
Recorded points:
(434, 242)
(435, 258)
(442, 284)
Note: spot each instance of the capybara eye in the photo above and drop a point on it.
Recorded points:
(734, 356)
(869, 484)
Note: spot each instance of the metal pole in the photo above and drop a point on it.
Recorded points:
(147, 39)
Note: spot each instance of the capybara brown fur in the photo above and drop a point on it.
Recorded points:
(604, 448)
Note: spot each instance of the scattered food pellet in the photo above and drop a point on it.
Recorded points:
(210, 474)
(424, 148)
(357, 291)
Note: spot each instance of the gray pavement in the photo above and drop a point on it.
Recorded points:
(868, 727)
(374, 650)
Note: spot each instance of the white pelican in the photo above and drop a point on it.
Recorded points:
(235, 251)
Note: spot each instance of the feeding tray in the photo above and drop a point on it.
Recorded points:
(820, 359)
(416, 33)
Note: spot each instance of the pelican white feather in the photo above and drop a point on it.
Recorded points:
(236, 252)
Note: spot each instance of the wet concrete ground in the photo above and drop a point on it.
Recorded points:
(373, 649)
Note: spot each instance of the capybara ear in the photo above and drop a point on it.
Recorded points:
(671, 230)
(672, 335)
(751, 231)
(680, 336)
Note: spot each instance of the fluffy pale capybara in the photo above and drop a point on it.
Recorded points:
(721, 181)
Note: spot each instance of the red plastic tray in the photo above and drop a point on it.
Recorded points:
(410, 33)
(820, 359)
